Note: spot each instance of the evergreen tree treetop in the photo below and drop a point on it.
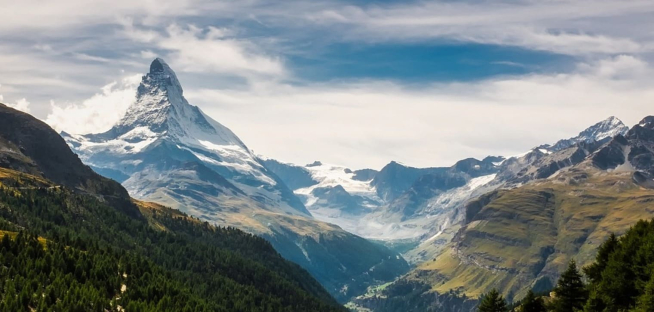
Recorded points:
(493, 302)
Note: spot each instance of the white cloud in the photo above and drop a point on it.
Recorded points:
(43, 47)
(367, 124)
(196, 51)
(21, 105)
(620, 67)
(576, 27)
(148, 55)
(65, 14)
(92, 58)
(97, 113)
(359, 123)
(213, 50)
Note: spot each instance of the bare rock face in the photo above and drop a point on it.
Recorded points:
(632, 152)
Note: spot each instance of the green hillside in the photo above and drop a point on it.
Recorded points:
(523, 238)
(99, 257)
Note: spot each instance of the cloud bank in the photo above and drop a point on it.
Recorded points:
(235, 61)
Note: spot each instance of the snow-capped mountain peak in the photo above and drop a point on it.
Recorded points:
(160, 108)
(601, 131)
(162, 134)
(158, 96)
(607, 128)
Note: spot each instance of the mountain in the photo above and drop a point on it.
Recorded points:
(561, 205)
(167, 151)
(29, 145)
(429, 185)
(602, 132)
(105, 251)
(395, 178)
(336, 194)
(294, 177)
(421, 212)
(633, 151)
(161, 134)
(411, 208)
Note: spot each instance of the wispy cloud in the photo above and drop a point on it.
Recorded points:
(367, 124)
(97, 113)
(566, 27)
(193, 49)
(56, 16)
(66, 50)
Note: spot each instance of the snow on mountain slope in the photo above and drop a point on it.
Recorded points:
(599, 132)
(328, 175)
(348, 198)
(473, 188)
(332, 193)
(439, 212)
(161, 131)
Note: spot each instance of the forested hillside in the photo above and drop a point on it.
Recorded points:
(96, 258)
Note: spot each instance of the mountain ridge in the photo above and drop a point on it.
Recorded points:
(521, 235)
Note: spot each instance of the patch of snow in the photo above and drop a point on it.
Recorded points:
(443, 227)
(518, 155)
(328, 175)
(304, 252)
(626, 166)
(435, 236)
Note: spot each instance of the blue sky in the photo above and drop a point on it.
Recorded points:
(358, 83)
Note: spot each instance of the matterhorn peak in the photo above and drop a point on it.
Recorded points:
(159, 100)
(159, 70)
(158, 65)
(160, 111)
(160, 77)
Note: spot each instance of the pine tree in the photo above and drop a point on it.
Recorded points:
(531, 303)
(493, 302)
(594, 271)
(570, 290)
(646, 300)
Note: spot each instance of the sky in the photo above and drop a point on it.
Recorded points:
(357, 83)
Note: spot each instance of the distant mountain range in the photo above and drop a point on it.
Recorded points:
(436, 215)
(541, 209)
(400, 202)
(167, 151)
